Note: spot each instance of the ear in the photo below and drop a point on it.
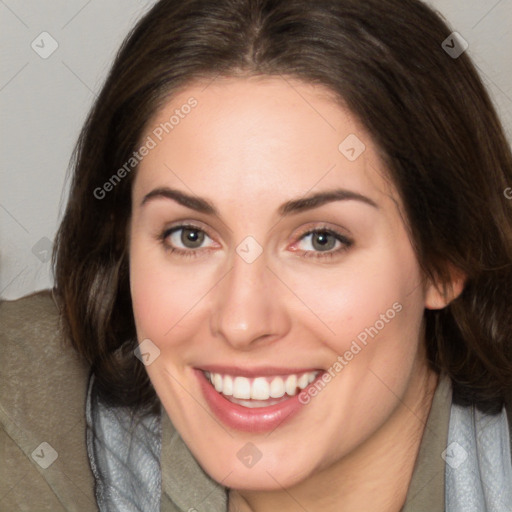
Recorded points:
(438, 294)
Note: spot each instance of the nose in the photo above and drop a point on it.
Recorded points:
(247, 309)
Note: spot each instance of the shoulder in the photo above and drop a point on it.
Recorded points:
(43, 385)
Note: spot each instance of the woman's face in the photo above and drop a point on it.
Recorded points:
(247, 295)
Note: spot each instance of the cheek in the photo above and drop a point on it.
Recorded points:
(163, 293)
(376, 300)
(151, 290)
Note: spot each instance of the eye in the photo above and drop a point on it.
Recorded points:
(189, 236)
(323, 240)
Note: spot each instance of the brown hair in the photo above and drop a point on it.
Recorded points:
(430, 118)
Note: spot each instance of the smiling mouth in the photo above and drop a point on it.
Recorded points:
(259, 391)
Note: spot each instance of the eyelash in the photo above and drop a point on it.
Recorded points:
(346, 242)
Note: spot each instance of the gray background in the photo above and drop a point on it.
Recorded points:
(44, 102)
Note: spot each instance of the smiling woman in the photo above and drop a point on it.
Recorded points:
(301, 294)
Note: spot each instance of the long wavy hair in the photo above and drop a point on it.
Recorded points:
(428, 113)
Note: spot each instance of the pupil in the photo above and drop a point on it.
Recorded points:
(321, 240)
(192, 235)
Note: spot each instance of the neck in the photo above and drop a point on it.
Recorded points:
(375, 476)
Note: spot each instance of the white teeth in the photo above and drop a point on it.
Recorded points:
(256, 404)
(241, 387)
(291, 385)
(277, 389)
(217, 381)
(303, 381)
(227, 386)
(260, 388)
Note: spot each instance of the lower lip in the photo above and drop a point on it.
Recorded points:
(238, 417)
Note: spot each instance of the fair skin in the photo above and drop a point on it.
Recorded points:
(249, 146)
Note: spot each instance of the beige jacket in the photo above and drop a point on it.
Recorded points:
(43, 458)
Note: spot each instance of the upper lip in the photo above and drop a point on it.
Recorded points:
(255, 371)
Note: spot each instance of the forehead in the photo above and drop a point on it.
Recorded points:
(275, 136)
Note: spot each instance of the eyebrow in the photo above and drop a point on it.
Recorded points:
(289, 207)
